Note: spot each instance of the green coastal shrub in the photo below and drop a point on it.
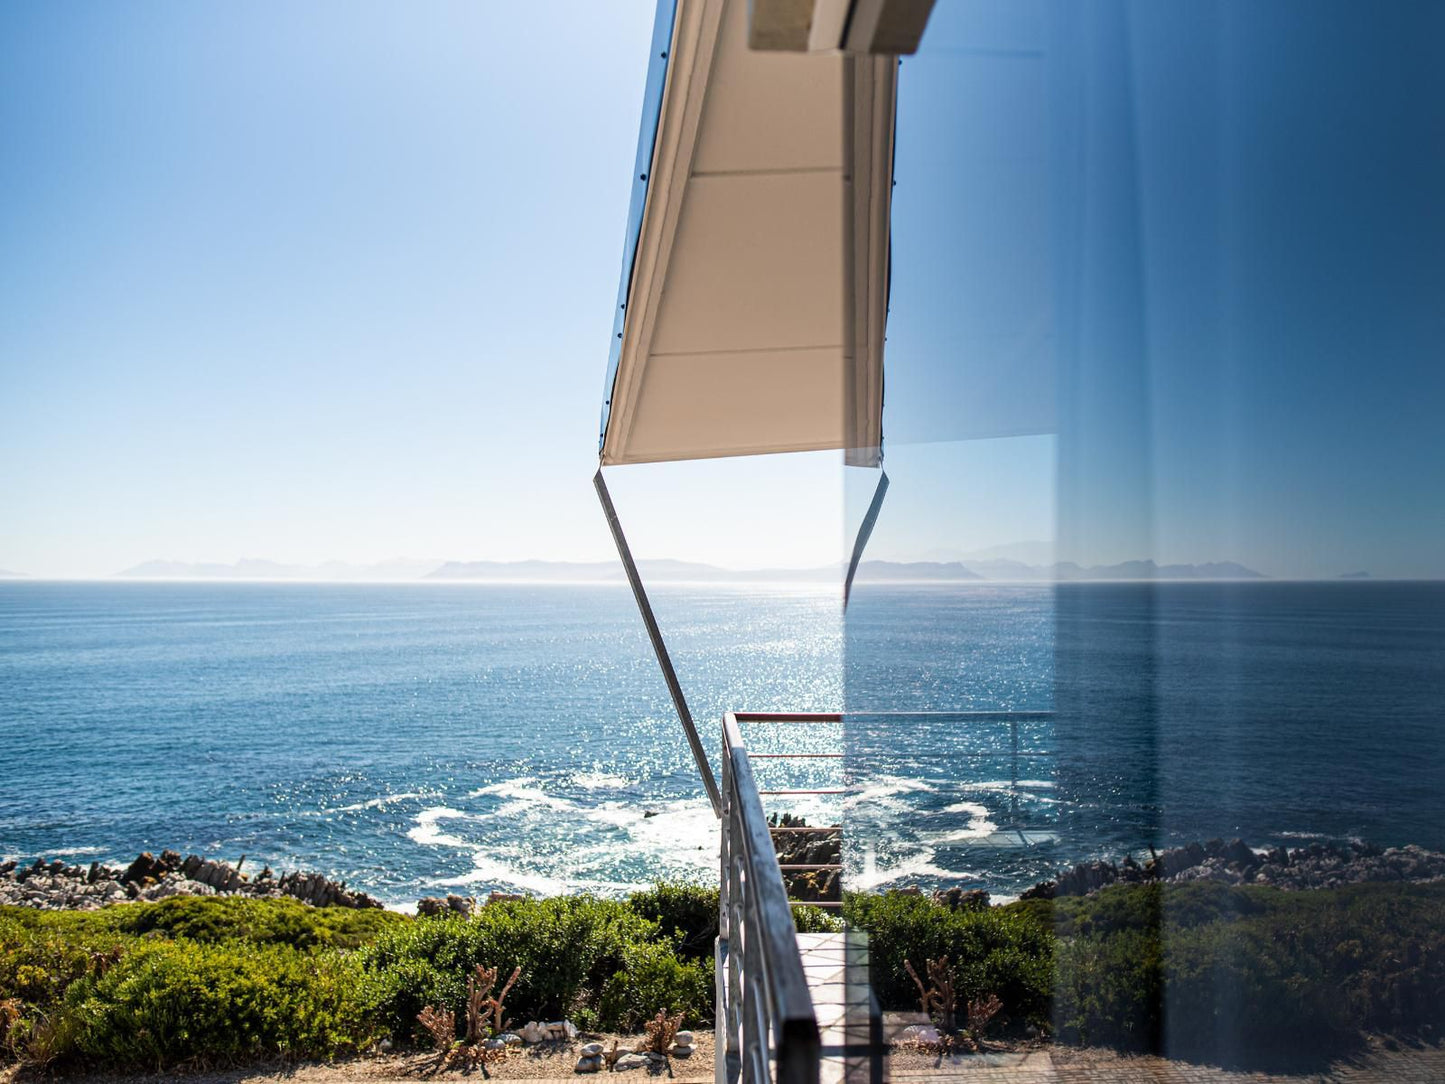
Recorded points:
(213, 919)
(653, 977)
(164, 1003)
(42, 954)
(688, 911)
(567, 948)
(1202, 971)
(1217, 973)
(259, 921)
(691, 912)
(1001, 952)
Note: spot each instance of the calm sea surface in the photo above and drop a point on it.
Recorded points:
(415, 739)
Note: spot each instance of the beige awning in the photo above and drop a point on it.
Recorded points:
(755, 309)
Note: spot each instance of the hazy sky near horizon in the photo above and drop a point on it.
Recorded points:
(326, 281)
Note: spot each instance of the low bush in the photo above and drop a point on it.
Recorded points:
(1201, 970)
(690, 911)
(1227, 974)
(999, 952)
(567, 948)
(653, 978)
(268, 921)
(165, 1003)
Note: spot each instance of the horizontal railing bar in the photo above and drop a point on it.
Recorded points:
(811, 865)
(819, 828)
(815, 903)
(887, 713)
(788, 716)
(796, 756)
(982, 713)
(777, 792)
(1002, 754)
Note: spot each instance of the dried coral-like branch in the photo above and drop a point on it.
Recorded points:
(479, 985)
(498, 1024)
(441, 1025)
(661, 1031)
(484, 1013)
(939, 1001)
(980, 1012)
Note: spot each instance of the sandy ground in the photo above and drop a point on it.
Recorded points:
(546, 1061)
(1038, 1064)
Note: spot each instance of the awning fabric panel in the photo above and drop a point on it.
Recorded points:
(741, 315)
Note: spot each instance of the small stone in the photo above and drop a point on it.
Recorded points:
(589, 1064)
(655, 1057)
(562, 1029)
(683, 1038)
(494, 1044)
(631, 1061)
(592, 1050)
(682, 1050)
(510, 1038)
(925, 1034)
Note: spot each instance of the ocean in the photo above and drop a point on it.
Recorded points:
(418, 739)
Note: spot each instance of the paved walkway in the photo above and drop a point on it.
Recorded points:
(1095, 1067)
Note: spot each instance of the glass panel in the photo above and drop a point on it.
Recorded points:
(1165, 332)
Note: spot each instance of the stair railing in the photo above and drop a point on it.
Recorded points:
(767, 1030)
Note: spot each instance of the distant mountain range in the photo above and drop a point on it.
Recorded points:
(664, 570)
(402, 568)
(6, 574)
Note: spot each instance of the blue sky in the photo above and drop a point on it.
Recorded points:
(330, 281)
(336, 281)
(1205, 245)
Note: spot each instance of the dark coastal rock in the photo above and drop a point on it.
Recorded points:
(962, 899)
(821, 846)
(147, 868)
(433, 906)
(1044, 890)
(1317, 865)
(56, 886)
(1238, 853)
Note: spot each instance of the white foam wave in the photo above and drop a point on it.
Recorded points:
(376, 803)
(600, 781)
(1008, 784)
(491, 872)
(522, 796)
(883, 793)
(919, 866)
(427, 829)
(979, 823)
(69, 852)
(673, 828)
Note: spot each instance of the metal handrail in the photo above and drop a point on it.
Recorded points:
(767, 1029)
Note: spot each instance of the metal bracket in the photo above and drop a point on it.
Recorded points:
(659, 648)
(865, 531)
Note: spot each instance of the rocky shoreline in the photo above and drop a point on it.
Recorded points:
(1317, 865)
(55, 886)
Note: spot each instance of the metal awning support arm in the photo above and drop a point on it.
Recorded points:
(865, 531)
(664, 660)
